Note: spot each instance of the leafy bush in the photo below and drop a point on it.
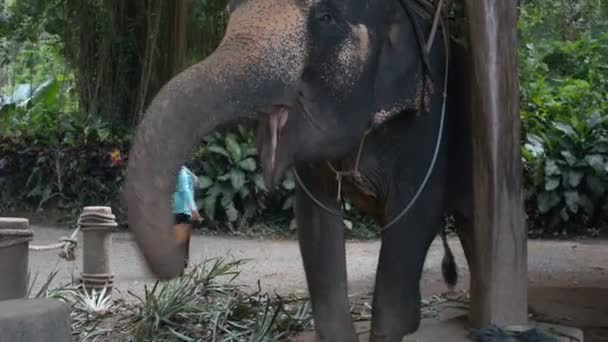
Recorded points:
(52, 156)
(230, 184)
(564, 112)
(73, 171)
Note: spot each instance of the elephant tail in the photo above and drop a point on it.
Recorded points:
(448, 264)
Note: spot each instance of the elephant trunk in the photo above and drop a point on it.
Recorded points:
(218, 91)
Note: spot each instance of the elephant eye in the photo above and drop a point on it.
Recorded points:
(326, 18)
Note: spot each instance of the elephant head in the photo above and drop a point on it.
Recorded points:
(313, 73)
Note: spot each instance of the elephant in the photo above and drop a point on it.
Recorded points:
(338, 89)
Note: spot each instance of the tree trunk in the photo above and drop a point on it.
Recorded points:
(164, 50)
(123, 52)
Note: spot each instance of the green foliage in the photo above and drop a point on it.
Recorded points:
(230, 184)
(568, 171)
(209, 21)
(564, 110)
(78, 170)
(204, 305)
(542, 20)
(48, 154)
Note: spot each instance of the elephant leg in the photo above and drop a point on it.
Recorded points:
(396, 309)
(321, 239)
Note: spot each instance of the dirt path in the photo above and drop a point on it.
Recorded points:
(568, 279)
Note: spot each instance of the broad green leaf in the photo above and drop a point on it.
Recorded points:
(600, 146)
(227, 191)
(347, 206)
(204, 182)
(228, 205)
(224, 177)
(534, 145)
(232, 213)
(569, 157)
(547, 201)
(233, 147)
(248, 164)
(348, 224)
(259, 182)
(209, 205)
(241, 129)
(250, 151)
(244, 192)
(103, 135)
(575, 177)
(288, 203)
(534, 139)
(572, 200)
(237, 179)
(552, 183)
(595, 120)
(551, 168)
(597, 162)
(215, 190)
(564, 128)
(219, 150)
(288, 183)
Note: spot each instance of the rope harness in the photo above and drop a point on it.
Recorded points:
(426, 10)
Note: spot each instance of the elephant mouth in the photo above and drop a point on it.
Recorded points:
(269, 135)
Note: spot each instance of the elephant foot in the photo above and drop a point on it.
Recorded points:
(393, 336)
(337, 334)
(391, 324)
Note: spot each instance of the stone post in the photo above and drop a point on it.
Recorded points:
(96, 224)
(15, 235)
(35, 320)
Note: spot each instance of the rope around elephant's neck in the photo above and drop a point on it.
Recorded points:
(339, 174)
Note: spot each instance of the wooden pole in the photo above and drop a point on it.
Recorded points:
(15, 236)
(96, 224)
(499, 267)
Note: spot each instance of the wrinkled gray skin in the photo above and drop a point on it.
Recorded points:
(315, 74)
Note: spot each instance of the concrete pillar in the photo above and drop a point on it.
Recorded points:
(15, 235)
(35, 320)
(96, 224)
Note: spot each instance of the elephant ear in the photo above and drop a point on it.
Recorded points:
(402, 83)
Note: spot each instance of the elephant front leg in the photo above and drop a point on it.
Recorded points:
(396, 310)
(321, 239)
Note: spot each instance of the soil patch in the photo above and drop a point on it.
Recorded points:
(583, 307)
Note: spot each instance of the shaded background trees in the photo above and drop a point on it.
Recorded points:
(120, 52)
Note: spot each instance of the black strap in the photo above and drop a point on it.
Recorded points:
(419, 37)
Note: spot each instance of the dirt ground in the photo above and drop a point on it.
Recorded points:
(568, 279)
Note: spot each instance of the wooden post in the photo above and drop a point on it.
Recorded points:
(96, 224)
(15, 236)
(499, 265)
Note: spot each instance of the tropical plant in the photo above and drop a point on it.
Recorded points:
(564, 110)
(230, 184)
